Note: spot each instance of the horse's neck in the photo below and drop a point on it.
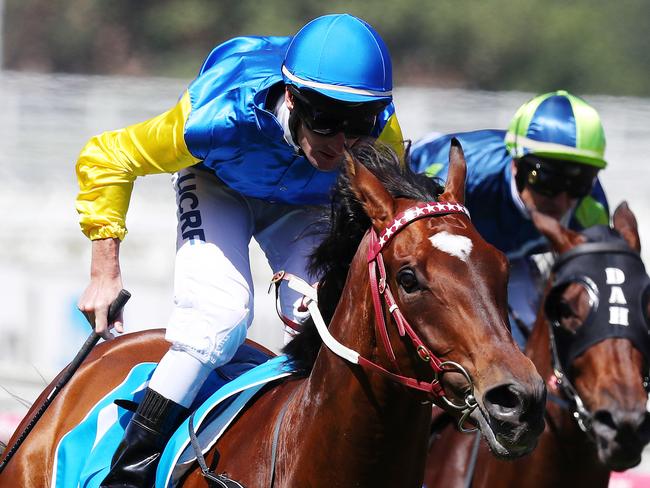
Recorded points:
(371, 417)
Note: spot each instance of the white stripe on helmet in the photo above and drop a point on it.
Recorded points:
(337, 88)
(521, 142)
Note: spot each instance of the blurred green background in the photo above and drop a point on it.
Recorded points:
(586, 46)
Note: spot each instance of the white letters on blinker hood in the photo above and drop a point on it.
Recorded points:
(618, 311)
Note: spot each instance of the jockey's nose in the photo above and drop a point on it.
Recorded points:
(340, 141)
(337, 142)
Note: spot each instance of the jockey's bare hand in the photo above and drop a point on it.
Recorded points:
(105, 284)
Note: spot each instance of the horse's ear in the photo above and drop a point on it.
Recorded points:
(625, 224)
(377, 202)
(455, 185)
(561, 238)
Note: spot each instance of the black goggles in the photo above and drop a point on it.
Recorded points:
(552, 177)
(328, 117)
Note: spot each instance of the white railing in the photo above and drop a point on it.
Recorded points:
(46, 119)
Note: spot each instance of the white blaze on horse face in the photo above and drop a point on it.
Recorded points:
(458, 246)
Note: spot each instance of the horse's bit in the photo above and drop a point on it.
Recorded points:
(380, 288)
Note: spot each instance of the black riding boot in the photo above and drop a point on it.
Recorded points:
(135, 461)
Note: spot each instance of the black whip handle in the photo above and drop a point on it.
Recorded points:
(113, 310)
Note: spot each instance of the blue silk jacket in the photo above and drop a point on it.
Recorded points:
(489, 194)
(221, 123)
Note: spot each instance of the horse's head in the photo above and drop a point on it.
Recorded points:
(598, 309)
(445, 288)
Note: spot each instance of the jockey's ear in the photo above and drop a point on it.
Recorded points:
(625, 224)
(561, 238)
(455, 185)
(377, 202)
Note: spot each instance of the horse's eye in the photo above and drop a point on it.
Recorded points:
(407, 280)
(568, 318)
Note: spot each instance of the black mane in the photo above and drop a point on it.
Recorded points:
(343, 228)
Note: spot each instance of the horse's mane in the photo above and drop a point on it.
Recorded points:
(344, 227)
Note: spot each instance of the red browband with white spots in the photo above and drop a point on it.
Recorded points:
(413, 213)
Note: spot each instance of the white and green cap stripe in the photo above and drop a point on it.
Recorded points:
(558, 125)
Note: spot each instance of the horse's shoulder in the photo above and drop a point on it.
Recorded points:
(263, 419)
(141, 346)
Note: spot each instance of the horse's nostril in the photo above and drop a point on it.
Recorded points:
(625, 423)
(605, 417)
(504, 398)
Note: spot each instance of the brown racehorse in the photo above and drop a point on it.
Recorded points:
(596, 417)
(345, 424)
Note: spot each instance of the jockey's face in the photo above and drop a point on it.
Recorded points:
(553, 186)
(555, 206)
(324, 152)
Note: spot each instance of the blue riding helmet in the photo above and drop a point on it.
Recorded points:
(341, 57)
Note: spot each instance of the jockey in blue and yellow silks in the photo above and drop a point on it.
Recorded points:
(548, 159)
(255, 143)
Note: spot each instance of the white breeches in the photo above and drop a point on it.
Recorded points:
(213, 290)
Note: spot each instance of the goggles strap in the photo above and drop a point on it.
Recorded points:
(294, 123)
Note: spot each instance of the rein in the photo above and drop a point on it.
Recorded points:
(380, 288)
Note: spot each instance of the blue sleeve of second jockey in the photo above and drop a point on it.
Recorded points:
(431, 155)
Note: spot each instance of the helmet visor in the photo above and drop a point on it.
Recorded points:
(327, 117)
(552, 177)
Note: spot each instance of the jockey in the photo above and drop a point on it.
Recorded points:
(254, 143)
(547, 160)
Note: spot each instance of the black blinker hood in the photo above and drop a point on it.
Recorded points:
(616, 279)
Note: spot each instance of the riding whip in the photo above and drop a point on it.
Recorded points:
(113, 310)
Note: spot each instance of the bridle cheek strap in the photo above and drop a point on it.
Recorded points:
(379, 287)
(403, 327)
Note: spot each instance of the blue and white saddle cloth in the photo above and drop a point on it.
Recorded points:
(83, 456)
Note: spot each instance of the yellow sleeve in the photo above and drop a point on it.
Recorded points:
(392, 135)
(110, 162)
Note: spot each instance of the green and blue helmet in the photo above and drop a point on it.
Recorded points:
(558, 125)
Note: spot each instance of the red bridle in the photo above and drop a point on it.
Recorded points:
(380, 288)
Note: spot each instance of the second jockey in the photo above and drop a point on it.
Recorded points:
(548, 160)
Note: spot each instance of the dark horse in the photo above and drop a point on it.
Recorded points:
(590, 343)
(442, 291)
